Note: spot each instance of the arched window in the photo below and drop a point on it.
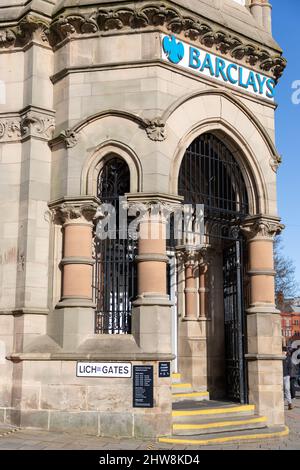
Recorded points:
(115, 273)
(210, 175)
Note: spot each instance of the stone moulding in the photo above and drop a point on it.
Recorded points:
(27, 123)
(155, 128)
(159, 15)
(172, 20)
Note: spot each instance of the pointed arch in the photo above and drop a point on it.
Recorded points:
(105, 151)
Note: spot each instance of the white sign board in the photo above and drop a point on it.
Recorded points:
(204, 63)
(104, 369)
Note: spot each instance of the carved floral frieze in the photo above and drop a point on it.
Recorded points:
(31, 124)
(171, 19)
(158, 15)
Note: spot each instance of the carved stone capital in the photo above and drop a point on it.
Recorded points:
(261, 227)
(156, 129)
(189, 257)
(29, 123)
(205, 258)
(38, 125)
(67, 210)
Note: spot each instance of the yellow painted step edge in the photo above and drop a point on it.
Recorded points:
(220, 424)
(181, 385)
(212, 411)
(223, 440)
(176, 375)
(190, 395)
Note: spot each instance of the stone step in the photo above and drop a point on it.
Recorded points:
(228, 437)
(194, 396)
(193, 412)
(238, 423)
(182, 388)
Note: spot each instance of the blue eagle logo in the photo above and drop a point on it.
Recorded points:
(174, 50)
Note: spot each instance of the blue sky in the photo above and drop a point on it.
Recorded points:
(286, 16)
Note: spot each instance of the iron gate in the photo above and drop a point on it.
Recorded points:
(234, 317)
(211, 175)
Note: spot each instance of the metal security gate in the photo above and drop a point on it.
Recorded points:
(234, 316)
(211, 175)
(115, 267)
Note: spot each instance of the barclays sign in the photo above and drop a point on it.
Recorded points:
(209, 65)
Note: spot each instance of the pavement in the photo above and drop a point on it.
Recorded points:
(27, 439)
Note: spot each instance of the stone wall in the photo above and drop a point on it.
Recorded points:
(51, 397)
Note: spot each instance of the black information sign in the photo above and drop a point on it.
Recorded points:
(143, 386)
(164, 369)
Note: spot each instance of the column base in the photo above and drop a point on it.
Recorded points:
(265, 378)
(71, 325)
(193, 352)
(75, 302)
(152, 324)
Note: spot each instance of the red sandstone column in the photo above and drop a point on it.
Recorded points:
(152, 259)
(76, 217)
(203, 287)
(190, 290)
(264, 337)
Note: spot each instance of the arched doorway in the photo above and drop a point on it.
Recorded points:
(115, 269)
(210, 175)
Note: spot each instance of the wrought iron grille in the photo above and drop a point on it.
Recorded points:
(234, 318)
(115, 271)
(210, 175)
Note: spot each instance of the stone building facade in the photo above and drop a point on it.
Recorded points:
(100, 99)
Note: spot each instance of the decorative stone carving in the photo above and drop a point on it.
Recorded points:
(69, 137)
(65, 212)
(28, 124)
(173, 20)
(29, 28)
(205, 257)
(262, 227)
(275, 162)
(10, 129)
(33, 124)
(156, 129)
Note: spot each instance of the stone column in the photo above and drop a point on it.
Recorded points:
(267, 15)
(75, 319)
(190, 291)
(203, 285)
(256, 10)
(193, 327)
(262, 12)
(264, 338)
(151, 315)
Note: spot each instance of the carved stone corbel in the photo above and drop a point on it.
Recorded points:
(156, 129)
